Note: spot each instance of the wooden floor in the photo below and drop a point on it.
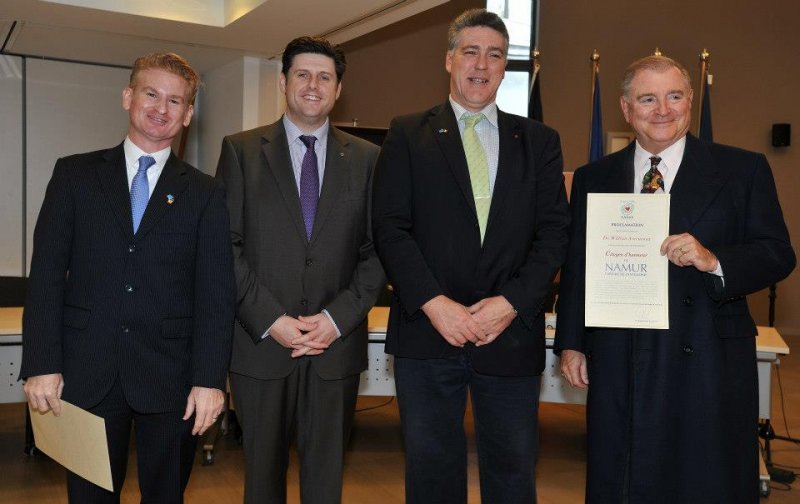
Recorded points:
(374, 470)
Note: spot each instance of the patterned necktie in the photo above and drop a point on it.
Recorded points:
(478, 169)
(309, 183)
(653, 180)
(140, 191)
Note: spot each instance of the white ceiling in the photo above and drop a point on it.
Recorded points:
(40, 28)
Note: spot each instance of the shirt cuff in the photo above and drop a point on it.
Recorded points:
(338, 332)
(266, 333)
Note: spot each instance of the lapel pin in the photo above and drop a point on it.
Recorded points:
(170, 199)
(442, 130)
(516, 135)
(341, 154)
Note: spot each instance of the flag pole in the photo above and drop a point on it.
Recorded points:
(595, 59)
(704, 65)
(535, 64)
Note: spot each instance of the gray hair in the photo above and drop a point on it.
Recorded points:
(473, 18)
(656, 64)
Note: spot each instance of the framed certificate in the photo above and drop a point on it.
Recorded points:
(626, 275)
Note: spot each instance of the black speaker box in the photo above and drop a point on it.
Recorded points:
(781, 135)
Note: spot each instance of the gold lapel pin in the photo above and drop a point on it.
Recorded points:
(341, 154)
(170, 199)
(442, 130)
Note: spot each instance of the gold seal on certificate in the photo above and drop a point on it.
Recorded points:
(626, 275)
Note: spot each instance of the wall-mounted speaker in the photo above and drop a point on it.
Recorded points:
(781, 135)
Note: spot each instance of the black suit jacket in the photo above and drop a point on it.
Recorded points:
(153, 310)
(684, 399)
(427, 234)
(278, 271)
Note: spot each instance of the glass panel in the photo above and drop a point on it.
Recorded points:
(517, 16)
(513, 93)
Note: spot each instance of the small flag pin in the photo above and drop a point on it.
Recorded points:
(442, 130)
(170, 199)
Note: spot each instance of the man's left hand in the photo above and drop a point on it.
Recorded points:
(493, 316)
(317, 340)
(206, 404)
(684, 250)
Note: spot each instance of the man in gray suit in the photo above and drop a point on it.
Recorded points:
(307, 274)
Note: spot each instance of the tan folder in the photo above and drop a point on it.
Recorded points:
(76, 439)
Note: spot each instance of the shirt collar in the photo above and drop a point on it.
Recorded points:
(133, 153)
(293, 133)
(489, 111)
(670, 157)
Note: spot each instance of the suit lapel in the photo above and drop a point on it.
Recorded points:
(114, 182)
(696, 185)
(337, 158)
(279, 164)
(170, 185)
(445, 129)
(620, 173)
(510, 134)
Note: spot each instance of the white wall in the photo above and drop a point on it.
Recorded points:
(241, 95)
(11, 172)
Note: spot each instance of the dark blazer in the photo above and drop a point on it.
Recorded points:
(154, 309)
(427, 234)
(278, 271)
(692, 388)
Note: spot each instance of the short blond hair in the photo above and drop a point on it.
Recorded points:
(172, 63)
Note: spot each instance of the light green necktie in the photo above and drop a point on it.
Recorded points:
(478, 169)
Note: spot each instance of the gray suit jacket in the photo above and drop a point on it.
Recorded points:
(278, 271)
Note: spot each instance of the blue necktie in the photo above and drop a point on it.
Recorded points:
(140, 190)
(309, 184)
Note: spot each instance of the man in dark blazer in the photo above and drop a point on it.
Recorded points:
(129, 309)
(672, 414)
(307, 275)
(470, 276)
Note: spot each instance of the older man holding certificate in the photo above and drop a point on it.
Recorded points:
(671, 412)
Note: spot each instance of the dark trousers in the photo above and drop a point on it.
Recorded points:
(165, 451)
(432, 394)
(317, 412)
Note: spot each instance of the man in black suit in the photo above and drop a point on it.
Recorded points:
(129, 310)
(307, 275)
(470, 219)
(672, 414)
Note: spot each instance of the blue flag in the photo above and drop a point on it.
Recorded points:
(596, 136)
(705, 132)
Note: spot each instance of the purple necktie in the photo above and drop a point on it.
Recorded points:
(309, 183)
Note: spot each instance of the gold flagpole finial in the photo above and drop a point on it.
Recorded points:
(657, 52)
(705, 55)
(595, 56)
(535, 53)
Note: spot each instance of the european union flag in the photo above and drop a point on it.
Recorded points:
(596, 136)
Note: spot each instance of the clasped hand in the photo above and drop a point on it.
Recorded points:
(480, 323)
(310, 335)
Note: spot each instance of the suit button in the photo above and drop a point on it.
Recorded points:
(309, 262)
(125, 329)
(128, 288)
(304, 301)
(688, 300)
(131, 247)
(688, 350)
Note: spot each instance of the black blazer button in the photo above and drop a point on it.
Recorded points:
(688, 300)
(304, 302)
(132, 247)
(309, 262)
(688, 350)
(125, 329)
(128, 288)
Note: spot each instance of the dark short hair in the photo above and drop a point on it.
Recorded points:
(170, 62)
(655, 63)
(314, 45)
(473, 18)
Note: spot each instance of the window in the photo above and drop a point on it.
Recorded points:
(521, 18)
